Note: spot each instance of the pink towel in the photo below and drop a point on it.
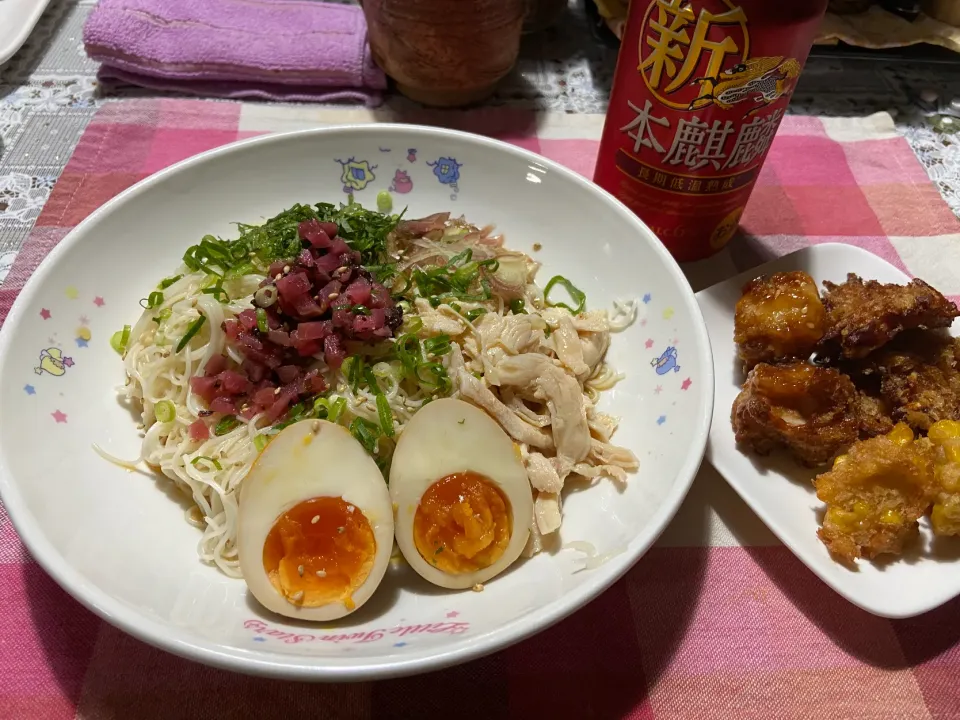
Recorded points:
(275, 49)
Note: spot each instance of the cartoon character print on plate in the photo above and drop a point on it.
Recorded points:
(356, 174)
(667, 362)
(402, 183)
(447, 170)
(53, 362)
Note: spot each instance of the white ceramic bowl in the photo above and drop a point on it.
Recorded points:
(118, 541)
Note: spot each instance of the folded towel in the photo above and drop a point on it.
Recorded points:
(276, 49)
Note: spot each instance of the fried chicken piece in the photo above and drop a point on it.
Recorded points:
(779, 317)
(875, 494)
(945, 515)
(865, 315)
(811, 411)
(918, 376)
(874, 415)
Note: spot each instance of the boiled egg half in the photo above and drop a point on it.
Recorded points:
(462, 499)
(315, 525)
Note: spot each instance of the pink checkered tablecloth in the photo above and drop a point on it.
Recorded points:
(718, 620)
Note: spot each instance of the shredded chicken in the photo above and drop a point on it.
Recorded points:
(537, 370)
(437, 323)
(474, 390)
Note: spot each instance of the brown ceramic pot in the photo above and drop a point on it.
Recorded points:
(445, 52)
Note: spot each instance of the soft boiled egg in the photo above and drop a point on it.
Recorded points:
(461, 496)
(315, 525)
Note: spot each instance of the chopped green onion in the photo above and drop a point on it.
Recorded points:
(163, 315)
(462, 257)
(262, 325)
(439, 379)
(518, 307)
(226, 424)
(366, 434)
(412, 324)
(575, 293)
(336, 409)
(360, 310)
(239, 271)
(119, 340)
(408, 351)
(371, 381)
(208, 460)
(355, 373)
(261, 441)
(165, 411)
(439, 345)
(154, 299)
(167, 282)
(218, 292)
(474, 314)
(384, 201)
(386, 415)
(434, 301)
(491, 265)
(191, 331)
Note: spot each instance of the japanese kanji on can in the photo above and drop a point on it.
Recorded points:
(700, 90)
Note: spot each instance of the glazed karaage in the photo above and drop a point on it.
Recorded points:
(865, 315)
(918, 376)
(945, 515)
(875, 494)
(811, 411)
(779, 317)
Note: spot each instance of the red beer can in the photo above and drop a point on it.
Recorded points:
(700, 89)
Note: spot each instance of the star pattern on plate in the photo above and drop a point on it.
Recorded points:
(45, 314)
(72, 293)
(98, 301)
(658, 389)
(647, 298)
(399, 644)
(452, 614)
(685, 385)
(648, 344)
(82, 342)
(59, 416)
(29, 389)
(84, 320)
(259, 639)
(668, 313)
(68, 361)
(661, 420)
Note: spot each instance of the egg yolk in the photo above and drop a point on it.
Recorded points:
(319, 552)
(463, 523)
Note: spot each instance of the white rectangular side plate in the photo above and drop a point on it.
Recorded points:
(780, 491)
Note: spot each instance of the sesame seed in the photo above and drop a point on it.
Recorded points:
(286, 268)
(342, 268)
(276, 391)
(278, 276)
(350, 508)
(300, 570)
(315, 520)
(340, 529)
(333, 296)
(321, 573)
(297, 596)
(315, 427)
